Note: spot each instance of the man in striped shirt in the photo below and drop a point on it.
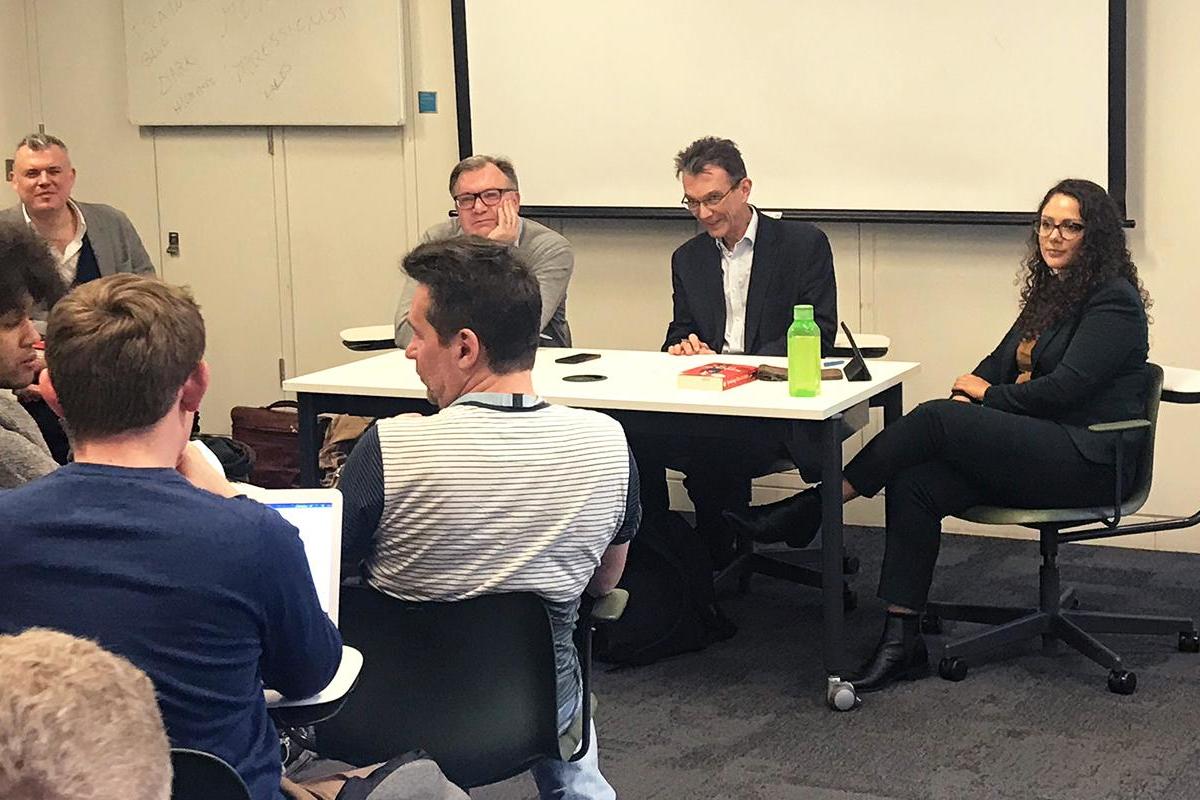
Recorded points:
(499, 491)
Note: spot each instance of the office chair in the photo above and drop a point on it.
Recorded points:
(1056, 617)
(472, 683)
(202, 776)
(803, 566)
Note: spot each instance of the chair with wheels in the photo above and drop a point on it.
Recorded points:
(1056, 617)
(197, 775)
(472, 683)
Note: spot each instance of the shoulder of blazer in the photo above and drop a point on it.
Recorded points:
(793, 231)
(695, 249)
(12, 214)
(1115, 290)
(101, 211)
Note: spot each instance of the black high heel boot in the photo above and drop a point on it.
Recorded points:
(899, 656)
(794, 519)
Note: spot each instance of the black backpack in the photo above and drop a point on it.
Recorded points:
(672, 605)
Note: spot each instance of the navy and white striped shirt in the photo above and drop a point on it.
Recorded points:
(495, 493)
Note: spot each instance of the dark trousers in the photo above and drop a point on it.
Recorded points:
(947, 456)
(717, 476)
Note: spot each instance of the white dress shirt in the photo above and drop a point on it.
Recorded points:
(68, 259)
(735, 271)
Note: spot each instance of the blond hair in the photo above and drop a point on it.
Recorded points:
(119, 348)
(77, 723)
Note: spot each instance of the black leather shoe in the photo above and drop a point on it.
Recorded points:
(900, 655)
(794, 520)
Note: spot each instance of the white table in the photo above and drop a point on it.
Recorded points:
(640, 390)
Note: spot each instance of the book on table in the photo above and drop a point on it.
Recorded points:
(716, 377)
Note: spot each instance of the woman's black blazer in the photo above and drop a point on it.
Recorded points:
(1089, 367)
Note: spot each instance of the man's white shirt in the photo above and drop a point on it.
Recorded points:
(735, 271)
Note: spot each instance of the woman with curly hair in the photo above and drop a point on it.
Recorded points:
(1015, 430)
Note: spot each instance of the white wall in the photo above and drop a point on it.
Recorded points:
(285, 249)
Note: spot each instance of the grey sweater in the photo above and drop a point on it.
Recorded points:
(23, 452)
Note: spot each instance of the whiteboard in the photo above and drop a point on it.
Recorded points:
(264, 62)
(929, 105)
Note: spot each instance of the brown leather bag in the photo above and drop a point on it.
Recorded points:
(273, 433)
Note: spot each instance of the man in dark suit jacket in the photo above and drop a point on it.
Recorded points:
(733, 289)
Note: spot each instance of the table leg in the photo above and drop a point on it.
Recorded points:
(310, 446)
(892, 402)
(833, 647)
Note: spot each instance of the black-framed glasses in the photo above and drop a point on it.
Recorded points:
(490, 197)
(1068, 229)
(710, 201)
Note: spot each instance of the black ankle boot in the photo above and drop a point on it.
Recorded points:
(900, 655)
(794, 520)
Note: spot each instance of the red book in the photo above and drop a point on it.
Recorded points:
(716, 377)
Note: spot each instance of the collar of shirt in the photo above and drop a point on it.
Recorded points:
(499, 399)
(747, 240)
(69, 257)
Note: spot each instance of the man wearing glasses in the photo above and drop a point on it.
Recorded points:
(733, 288)
(488, 203)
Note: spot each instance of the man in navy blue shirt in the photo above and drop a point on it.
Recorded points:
(144, 548)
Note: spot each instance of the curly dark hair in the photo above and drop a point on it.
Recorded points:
(26, 268)
(1103, 255)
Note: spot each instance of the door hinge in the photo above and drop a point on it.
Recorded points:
(282, 371)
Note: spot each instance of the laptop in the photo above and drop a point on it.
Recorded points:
(317, 514)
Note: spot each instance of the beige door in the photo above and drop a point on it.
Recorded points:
(216, 189)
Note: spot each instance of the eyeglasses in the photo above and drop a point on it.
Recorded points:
(711, 201)
(490, 197)
(1068, 229)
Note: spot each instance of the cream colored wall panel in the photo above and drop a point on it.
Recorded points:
(1164, 128)
(945, 295)
(620, 292)
(16, 76)
(215, 188)
(434, 137)
(81, 62)
(347, 230)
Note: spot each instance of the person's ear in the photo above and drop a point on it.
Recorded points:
(746, 186)
(46, 386)
(467, 349)
(194, 387)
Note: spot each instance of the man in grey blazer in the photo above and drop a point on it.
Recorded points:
(485, 192)
(87, 239)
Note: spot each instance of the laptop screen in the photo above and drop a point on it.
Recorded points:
(320, 524)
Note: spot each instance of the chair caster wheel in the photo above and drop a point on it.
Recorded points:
(849, 599)
(1122, 681)
(840, 695)
(952, 669)
(850, 565)
(1189, 642)
(931, 624)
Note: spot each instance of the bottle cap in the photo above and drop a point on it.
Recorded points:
(802, 312)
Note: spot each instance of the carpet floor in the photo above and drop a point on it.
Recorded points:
(746, 718)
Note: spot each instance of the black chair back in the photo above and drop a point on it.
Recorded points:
(1140, 490)
(203, 776)
(472, 683)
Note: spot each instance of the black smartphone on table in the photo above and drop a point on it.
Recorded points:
(577, 358)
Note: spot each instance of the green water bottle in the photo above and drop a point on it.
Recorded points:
(804, 354)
